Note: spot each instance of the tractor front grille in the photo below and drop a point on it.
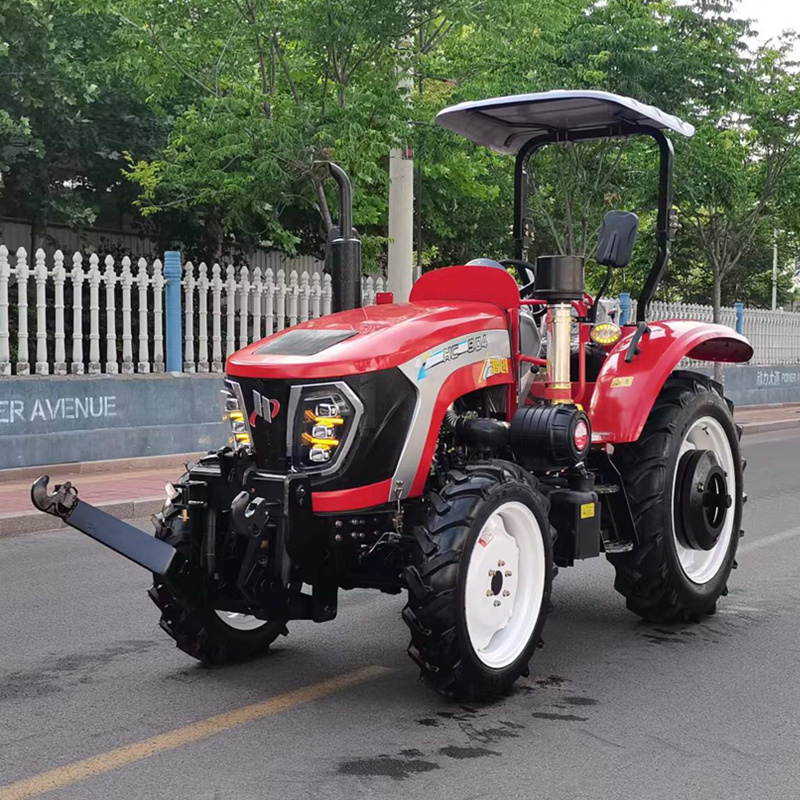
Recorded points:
(269, 436)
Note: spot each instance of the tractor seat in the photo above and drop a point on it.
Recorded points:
(484, 262)
(530, 341)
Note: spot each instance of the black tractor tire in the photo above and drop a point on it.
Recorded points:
(198, 630)
(651, 577)
(436, 612)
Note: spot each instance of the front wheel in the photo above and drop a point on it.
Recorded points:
(683, 478)
(212, 636)
(478, 595)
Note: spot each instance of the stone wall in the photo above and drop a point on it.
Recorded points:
(751, 386)
(51, 420)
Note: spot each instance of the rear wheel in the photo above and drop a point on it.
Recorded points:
(210, 635)
(684, 483)
(478, 596)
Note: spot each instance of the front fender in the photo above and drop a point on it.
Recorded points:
(626, 391)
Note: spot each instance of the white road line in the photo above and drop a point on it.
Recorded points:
(766, 541)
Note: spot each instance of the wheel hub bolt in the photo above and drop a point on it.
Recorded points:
(496, 603)
(489, 592)
(501, 563)
(491, 573)
(506, 593)
(508, 573)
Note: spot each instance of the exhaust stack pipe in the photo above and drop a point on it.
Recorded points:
(344, 248)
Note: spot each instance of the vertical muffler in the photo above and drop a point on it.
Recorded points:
(344, 248)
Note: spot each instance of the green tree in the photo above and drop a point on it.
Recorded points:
(66, 114)
(736, 176)
(278, 88)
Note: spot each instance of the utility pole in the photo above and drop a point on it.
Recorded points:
(401, 199)
(401, 223)
(774, 269)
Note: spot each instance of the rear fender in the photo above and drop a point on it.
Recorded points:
(625, 392)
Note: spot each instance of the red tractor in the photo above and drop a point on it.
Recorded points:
(439, 447)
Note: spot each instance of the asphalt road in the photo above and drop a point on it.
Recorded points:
(613, 708)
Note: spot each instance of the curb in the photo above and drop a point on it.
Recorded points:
(24, 522)
(765, 427)
(177, 460)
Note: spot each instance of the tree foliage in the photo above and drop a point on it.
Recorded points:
(218, 118)
(66, 113)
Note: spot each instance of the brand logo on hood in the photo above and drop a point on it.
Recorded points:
(265, 407)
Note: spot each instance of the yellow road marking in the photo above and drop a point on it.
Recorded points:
(129, 753)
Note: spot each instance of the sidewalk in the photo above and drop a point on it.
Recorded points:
(135, 487)
(761, 419)
(127, 489)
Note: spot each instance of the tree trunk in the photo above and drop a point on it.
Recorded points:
(39, 215)
(38, 230)
(322, 201)
(717, 299)
(214, 232)
(717, 303)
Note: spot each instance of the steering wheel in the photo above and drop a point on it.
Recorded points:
(527, 273)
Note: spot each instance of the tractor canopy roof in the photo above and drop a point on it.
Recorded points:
(505, 124)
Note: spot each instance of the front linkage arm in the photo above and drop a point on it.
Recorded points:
(141, 548)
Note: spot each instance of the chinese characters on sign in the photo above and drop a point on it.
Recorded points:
(777, 377)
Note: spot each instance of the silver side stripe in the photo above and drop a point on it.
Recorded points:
(428, 372)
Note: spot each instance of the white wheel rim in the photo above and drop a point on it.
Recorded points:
(501, 618)
(706, 433)
(241, 622)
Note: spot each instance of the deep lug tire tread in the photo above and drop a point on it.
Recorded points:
(197, 630)
(434, 594)
(647, 577)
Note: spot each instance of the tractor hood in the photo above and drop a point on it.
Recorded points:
(363, 340)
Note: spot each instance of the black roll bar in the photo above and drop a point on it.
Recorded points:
(523, 234)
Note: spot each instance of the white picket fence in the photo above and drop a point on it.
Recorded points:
(775, 335)
(224, 309)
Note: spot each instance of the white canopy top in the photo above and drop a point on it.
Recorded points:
(506, 123)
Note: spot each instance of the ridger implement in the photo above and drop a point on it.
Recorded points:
(414, 446)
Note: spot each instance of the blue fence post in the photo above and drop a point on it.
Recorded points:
(739, 309)
(624, 307)
(172, 275)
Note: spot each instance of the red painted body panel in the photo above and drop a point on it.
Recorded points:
(387, 335)
(374, 494)
(619, 412)
(485, 284)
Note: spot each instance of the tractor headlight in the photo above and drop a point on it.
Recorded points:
(325, 417)
(605, 334)
(233, 412)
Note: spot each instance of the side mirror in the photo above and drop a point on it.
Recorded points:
(617, 237)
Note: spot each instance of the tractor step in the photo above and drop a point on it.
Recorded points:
(617, 546)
